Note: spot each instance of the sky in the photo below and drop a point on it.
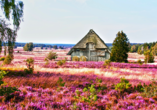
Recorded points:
(68, 21)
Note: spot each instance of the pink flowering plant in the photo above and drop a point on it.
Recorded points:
(77, 85)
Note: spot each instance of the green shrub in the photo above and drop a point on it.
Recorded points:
(60, 82)
(46, 61)
(5, 91)
(2, 58)
(83, 58)
(51, 55)
(61, 62)
(139, 62)
(149, 58)
(30, 65)
(150, 90)
(90, 91)
(123, 85)
(154, 50)
(2, 73)
(75, 58)
(139, 88)
(140, 51)
(28, 47)
(7, 59)
(98, 80)
(92, 96)
(107, 63)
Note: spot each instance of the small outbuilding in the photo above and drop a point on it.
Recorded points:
(91, 46)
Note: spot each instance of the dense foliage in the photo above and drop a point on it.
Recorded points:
(30, 65)
(149, 58)
(7, 37)
(2, 58)
(7, 60)
(123, 85)
(134, 48)
(120, 48)
(141, 48)
(51, 55)
(13, 8)
(6, 91)
(28, 47)
(154, 50)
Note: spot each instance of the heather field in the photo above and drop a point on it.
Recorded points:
(78, 85)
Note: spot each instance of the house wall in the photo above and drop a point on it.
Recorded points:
(107, 55)
(92, 56)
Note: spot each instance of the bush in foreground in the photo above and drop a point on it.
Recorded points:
(6, 91)
(7, 60)
(150, 90)
(30, 65)
(2, 58)
(123, 85)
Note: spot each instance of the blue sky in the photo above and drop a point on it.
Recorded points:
(67, 21)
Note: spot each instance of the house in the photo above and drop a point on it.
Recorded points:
(91, 46)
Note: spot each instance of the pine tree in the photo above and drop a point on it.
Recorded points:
(120, 48)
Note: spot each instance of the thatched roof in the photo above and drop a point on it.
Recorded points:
(90, 37)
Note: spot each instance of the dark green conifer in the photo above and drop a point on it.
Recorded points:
(120, 48)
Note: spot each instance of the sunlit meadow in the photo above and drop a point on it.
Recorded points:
(76, 85)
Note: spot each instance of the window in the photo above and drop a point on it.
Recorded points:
(77, 52)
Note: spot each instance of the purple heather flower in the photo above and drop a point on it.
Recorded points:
(130, 108)
(139, 97)
(151, 100)
(85, 83)
(105, 97)
(113, 92)
(29, 88)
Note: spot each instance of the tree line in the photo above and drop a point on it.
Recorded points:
(141, 48)
(29, 46)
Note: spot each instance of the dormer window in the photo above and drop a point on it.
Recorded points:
(90, 45)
